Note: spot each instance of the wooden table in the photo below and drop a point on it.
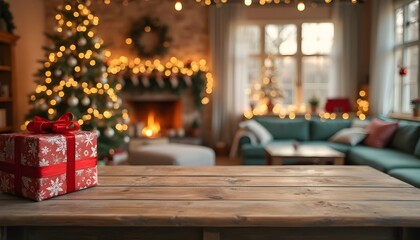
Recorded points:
(227, 202)
(317, 154)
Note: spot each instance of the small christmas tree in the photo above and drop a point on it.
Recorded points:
(267, 92)
(74, 79)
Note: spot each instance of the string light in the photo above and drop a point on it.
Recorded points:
(301, 6)
(178, 5)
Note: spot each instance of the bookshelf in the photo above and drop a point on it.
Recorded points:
(8, 85)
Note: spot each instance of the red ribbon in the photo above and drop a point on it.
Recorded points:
(64, 124)
(47, 171)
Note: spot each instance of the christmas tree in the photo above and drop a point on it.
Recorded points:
(267, 92)
(74, 79)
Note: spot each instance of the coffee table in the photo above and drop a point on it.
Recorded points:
(317, 154)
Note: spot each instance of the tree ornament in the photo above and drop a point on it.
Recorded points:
(126, 139)
(57, 98)
(103, 69)
(104, 80)
(43, 106)
(69, 33)
(73, 101)
(109, 104)
(58, 72)
(96, 40)
(85, 101)
(72, 61)
(119, 101)
(97, 132)
(82, 41)
(109, 132)
(84, 69)
(127, 120)
(403, 71)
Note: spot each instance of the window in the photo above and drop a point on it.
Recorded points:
(406, 55)
(301, 54)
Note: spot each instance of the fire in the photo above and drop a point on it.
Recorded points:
(152, 128)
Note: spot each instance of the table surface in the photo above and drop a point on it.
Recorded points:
(226, 196)
(303, 152)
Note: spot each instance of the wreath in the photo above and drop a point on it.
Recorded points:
(6, 15)
(149, 37)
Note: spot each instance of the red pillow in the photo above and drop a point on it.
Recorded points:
(379, 133)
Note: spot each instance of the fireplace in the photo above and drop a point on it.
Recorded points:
(157, 114)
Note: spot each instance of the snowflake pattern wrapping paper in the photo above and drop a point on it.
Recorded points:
(44, 165)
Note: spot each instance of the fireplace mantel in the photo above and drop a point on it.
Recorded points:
(151, 97)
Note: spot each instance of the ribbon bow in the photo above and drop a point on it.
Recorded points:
(64, 124)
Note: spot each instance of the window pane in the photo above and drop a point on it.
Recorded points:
(316, 76)
(410, 83)
(317, 38)
(280, 39)
(252, 34)
(399, 21)
(413, 21)
(397, 81)
(285, 74)
(254, 69)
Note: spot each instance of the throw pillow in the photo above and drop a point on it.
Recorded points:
(349, 136)
(379, 133)
(357, 123)
(262, 134)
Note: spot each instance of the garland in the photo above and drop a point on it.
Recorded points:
(147, 25)
(175, 77)
(7, 16)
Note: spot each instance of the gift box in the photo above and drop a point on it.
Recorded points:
(42, 165)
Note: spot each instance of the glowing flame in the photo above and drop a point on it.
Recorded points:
(152, 128)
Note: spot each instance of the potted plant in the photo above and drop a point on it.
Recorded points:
(416, 107)
(6, 17)
(313, 103)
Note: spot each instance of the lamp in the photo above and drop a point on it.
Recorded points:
(338, 105)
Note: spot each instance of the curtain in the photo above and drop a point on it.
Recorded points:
(344, 54)
(228, 62)
(382, 64)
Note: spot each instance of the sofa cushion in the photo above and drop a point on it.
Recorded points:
(323, 130)
(417, 149)
(297, 129)
(406, 137)
(350, 136)
(260, 132)
(257, 150)
(380, 133)
(382, 159)
(408, 175)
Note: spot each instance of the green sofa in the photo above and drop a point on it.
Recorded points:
(400, 158)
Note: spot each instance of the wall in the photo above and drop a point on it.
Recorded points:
(187, 28)
(29, 19)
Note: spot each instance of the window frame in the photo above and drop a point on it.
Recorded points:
(399, 104)
(298, 98)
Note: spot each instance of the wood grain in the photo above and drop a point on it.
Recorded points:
(280, 171)
(257, 181)
(294, 202)
(246, 194)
